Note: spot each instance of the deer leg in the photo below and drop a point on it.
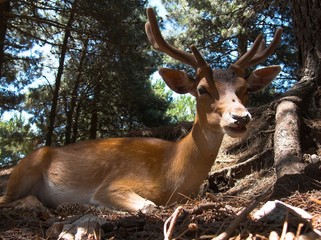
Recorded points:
(26, 178)
(21, 183)
(120, 197)
(29, 202)
(19, 192)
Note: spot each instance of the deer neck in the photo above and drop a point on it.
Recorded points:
(192, 157)
(206, 141)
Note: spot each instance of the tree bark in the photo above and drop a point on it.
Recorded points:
(55, 97)
(287, 147)
(307, 26)
(94, 113)
(75, 125)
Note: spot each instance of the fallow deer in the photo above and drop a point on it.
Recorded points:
(139, 173)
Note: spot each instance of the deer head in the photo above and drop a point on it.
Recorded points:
(220, 94)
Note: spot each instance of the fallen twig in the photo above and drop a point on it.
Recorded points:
(198, 209)
(172, 220)
(240, 217)
(285, 227)
(317, 201)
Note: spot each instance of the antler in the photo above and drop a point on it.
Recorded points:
(155, 37)
(259, 52)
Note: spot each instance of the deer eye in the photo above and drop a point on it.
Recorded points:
(201, 90)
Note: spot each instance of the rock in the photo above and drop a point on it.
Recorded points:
(86, 227)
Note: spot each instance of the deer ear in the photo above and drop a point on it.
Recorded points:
(260, 78)
(177, 80)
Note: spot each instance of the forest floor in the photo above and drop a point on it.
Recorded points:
(228, 212)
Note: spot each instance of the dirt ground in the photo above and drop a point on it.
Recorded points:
(212, 214)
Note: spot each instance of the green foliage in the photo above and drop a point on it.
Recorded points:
(114, 94)
(16, 139)
(161, 90)
(182, 108)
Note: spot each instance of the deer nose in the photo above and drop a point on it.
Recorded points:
(241, 120)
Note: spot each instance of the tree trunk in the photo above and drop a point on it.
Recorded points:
(4, 10)
(94, 113)
(307, 26)
(287, 147)
(75, 125)
(242, 45)
(73, 102)
(54, 105)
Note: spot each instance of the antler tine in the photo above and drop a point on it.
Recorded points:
(202, 64)
(262, 46)
(156, 39)
(259, 52)
(264, 54)
(242, 62)
(199, 58)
